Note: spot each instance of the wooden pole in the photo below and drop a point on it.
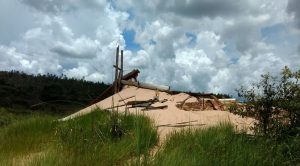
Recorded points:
(122, 69)
(202, 103)
(116, 71)
(121, 72)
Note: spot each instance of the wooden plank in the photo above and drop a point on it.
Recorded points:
(146, 105)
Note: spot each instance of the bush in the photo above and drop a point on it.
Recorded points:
(275, 103)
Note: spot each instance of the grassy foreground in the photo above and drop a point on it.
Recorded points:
(100, 138)
(220, 145)
(87, 140)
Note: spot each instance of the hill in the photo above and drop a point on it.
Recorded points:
(46, 92)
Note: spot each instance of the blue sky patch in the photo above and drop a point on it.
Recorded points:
(191, 37)
(131, 15)
(232, 53)
(129, 40)
(273, 34)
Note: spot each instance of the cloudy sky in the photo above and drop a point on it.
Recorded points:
(197, 45)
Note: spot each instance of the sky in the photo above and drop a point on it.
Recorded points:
(192, 45)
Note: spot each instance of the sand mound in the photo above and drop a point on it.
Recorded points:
(170, 118)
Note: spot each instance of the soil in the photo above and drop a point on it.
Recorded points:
(171, 118)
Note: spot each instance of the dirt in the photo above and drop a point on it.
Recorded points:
(171, 118)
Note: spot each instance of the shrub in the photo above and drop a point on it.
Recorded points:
(275, 103)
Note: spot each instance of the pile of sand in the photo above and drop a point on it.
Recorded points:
(171, 118)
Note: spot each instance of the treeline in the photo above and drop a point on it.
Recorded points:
(18, 89)
(223, 96)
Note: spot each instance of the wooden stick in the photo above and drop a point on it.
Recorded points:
(181, 105)
(126, 98)
(153, 108)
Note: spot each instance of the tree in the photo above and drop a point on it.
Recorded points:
(289, 95)
(274, 102)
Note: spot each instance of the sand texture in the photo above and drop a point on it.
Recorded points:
(171, 118)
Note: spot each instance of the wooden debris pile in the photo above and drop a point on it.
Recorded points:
(146, 104)
(204, 102)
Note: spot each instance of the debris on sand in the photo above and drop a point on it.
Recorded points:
(170, 110)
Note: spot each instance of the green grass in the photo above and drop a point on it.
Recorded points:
(85, 140)
(218, 145)
(38, 139)
(25, 137)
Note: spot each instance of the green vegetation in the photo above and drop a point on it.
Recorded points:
(33, 136)
(218, 145)
(222, 96)
(275, 103)
(49, 93)
(92, 140)
(9, 116)
(86, 140)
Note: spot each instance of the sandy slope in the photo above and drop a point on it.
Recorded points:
(171, 118)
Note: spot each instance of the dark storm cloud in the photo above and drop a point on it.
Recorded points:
(294, 8)
(204, 8)
(13, 24)
(80, 48)
(56, 6)
(242, 35)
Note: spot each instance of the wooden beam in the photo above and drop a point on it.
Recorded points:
(146, 85)
(208, 95)
(133, 74)
(122, 69)
(140, 102)
(116, 71)
(121, 72)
